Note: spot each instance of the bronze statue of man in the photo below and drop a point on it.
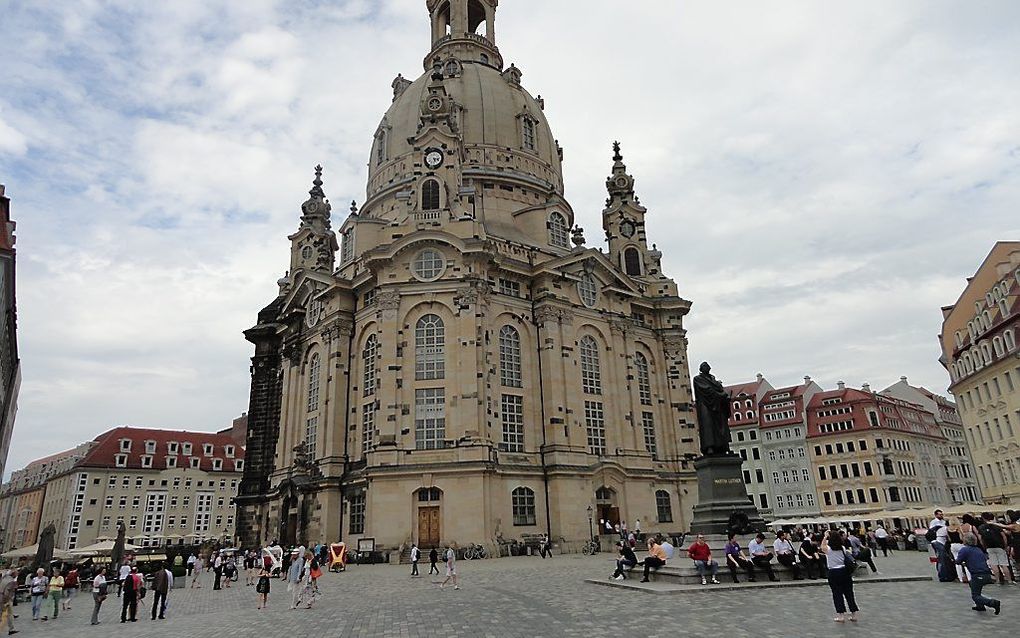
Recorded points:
(713, 413)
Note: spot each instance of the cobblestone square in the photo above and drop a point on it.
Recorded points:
(530, 598)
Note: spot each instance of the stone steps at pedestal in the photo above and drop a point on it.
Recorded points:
(674, 587)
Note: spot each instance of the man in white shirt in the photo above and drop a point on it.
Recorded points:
(125, 571)
(785, 553)
(941, 542)
(99, 593)
(415, 555)
(882, 537)
(761, 556)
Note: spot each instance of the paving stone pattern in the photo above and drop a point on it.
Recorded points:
(527, 597)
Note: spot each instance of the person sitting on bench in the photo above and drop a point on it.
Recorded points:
(656, 558)
(785, 553)
(625, 562)
(735, 559)
(701, 554)
(812, 558)
(761, 556)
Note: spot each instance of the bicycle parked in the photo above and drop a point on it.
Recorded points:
(473, 551)
(591, 547)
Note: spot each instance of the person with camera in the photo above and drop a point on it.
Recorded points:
(841, 566)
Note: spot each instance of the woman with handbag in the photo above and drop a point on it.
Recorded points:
(98, 593)
(841, 566)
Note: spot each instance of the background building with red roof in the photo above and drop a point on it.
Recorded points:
(954, 457)
(872, 452)
(783, 423)
(167, 486)
(744, 439)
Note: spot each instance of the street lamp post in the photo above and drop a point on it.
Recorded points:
(591, 530)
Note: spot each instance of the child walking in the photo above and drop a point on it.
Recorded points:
(262, 589)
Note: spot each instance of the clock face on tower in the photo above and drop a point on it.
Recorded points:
(627, 228)
(433, 158)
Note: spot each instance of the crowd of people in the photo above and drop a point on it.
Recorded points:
(975, 550)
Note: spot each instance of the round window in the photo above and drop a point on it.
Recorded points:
(588, 289)
(306, 252)
(428, 265)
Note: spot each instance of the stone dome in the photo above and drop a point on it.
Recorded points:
(491, 111)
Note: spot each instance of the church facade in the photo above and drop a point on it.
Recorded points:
(453, 363)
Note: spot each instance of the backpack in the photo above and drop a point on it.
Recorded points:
(932, 533)
(991, 536)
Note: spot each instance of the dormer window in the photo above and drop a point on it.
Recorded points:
(195, 462)
(207, 449)
(146, 461)
(186, 448)
(172, 447)
(229, 450)
(217, 465)
(239, 465)
(125, 445)
(121, 460)
(150, 447)
(171, 461)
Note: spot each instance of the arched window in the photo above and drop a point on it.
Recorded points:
(558, 230)
(429, 348)
(663, 506)
(1010, 339)
(588, 290)
(632, 261)
(591, 375)
(430, 194)
(312, 417)
(997, 345)
(643, 381)
(748, 403)
(509, 357)
(368, 357)
(523, 503)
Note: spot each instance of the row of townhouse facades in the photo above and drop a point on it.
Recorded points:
(167, 486)
(810, 452)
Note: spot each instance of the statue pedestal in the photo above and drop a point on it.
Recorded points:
(721, 494)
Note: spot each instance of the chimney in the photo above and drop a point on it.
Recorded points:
(841, 385)
(903, 379)
(807, 379)
(759, 377)
(866, 387)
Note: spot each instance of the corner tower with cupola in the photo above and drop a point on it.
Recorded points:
(467, 369)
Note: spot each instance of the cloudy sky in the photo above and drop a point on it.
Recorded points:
(821, 177)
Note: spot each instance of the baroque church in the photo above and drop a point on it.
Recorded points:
(453, 363)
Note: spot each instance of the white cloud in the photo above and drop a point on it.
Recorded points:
(820, 177)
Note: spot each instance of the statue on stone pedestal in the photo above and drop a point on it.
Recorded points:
(713, 413)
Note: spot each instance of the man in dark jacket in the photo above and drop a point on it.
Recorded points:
(160, 588)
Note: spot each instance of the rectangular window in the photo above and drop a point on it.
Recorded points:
(743, 454)
(839, 497)
(855, 469)
(860, 496)
(763, 501)
(429, 419)
(755, 454)
(367, 426)
(595, 424)
(357, 513)
(155, 506)
(186, 449)
(509, 287)
(648, 425)
(512, 411)
(874, 494)
(203, 511)
(759, 476)
(747, 477)
(528, 126)
(311, 436)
